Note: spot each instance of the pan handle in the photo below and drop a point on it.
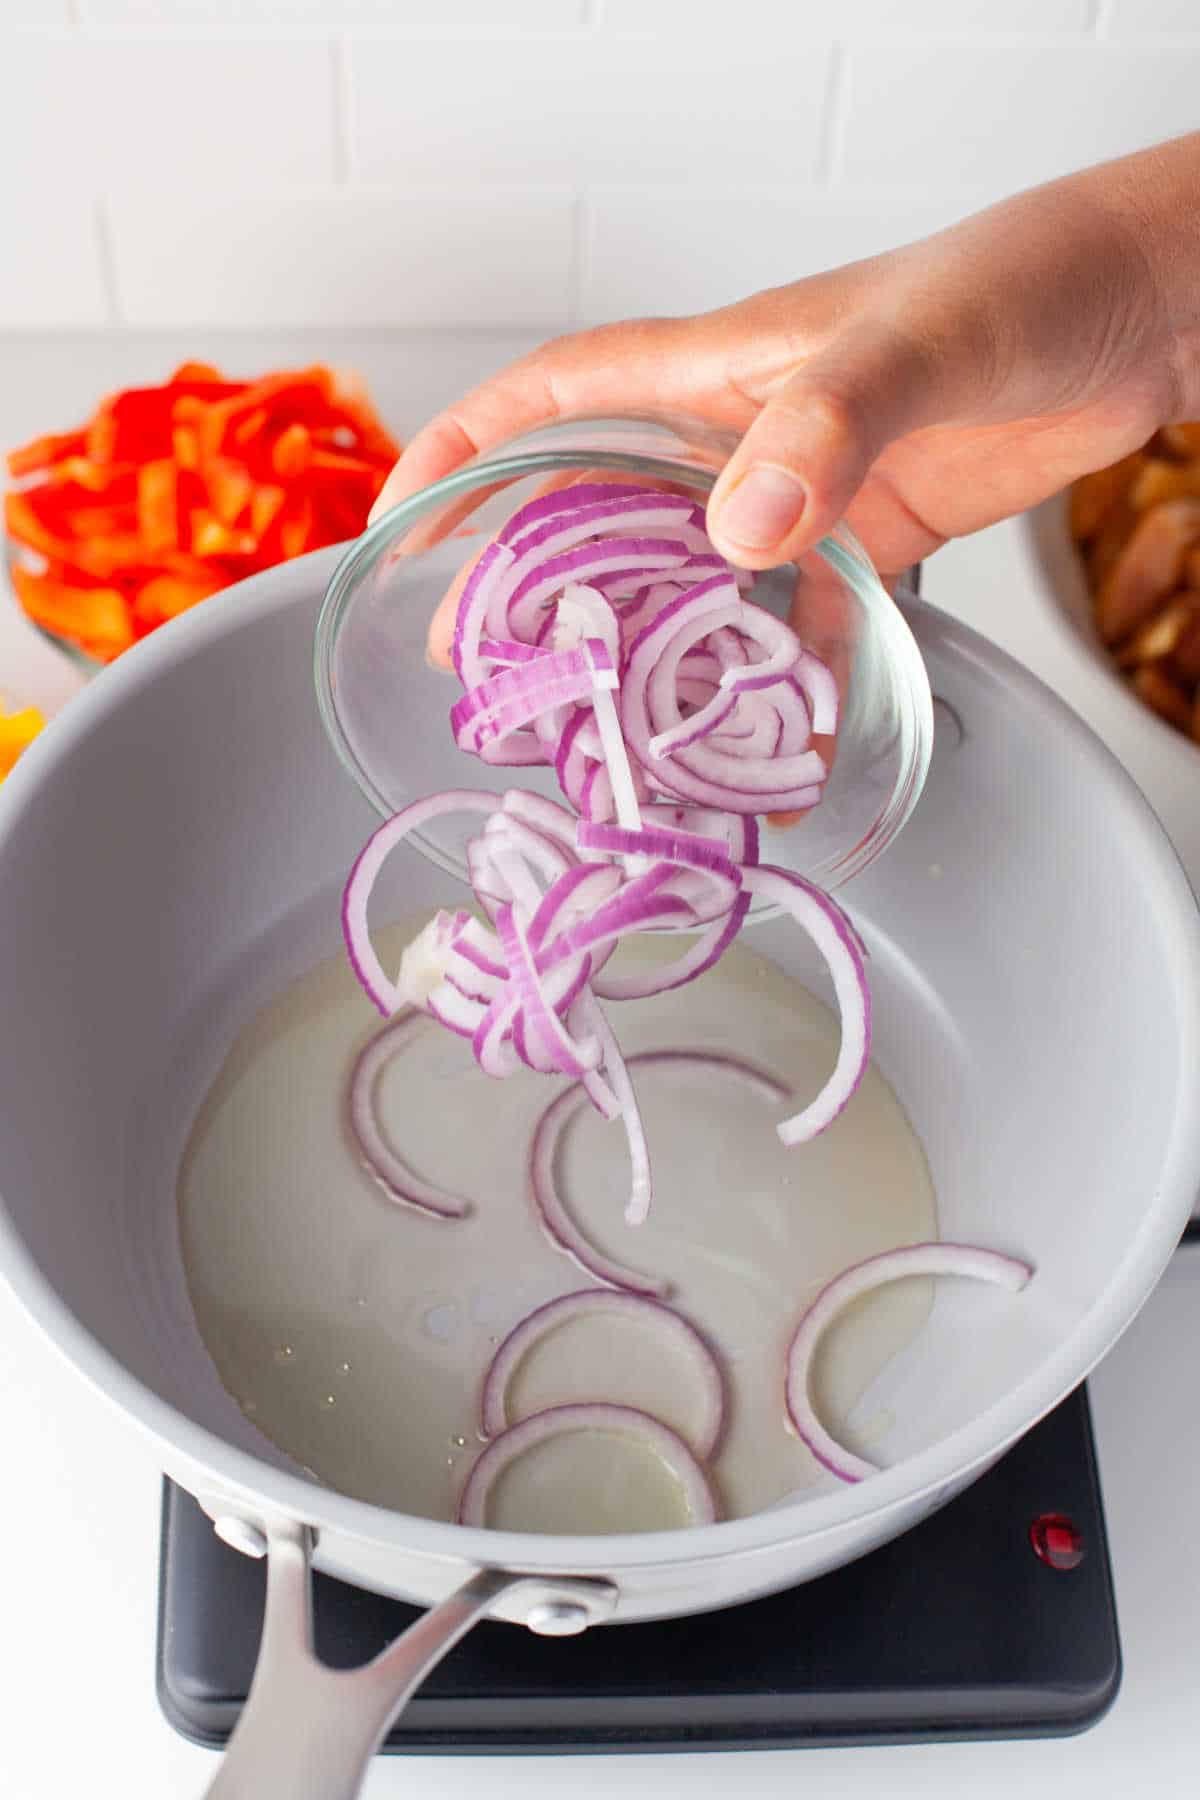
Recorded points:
(308, 1732)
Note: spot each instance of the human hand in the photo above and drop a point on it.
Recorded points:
(921, 394)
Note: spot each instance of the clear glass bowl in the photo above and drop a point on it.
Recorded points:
(385, 708)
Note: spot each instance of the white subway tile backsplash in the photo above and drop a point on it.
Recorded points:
(1008, 114)
(657, 250)
(684, 107)
(415, 162)
(116, 111)
(333, 15)
(1146, 18)
(345, 256)
(788, 18)
(50, 271)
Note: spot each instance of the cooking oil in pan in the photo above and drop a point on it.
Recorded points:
(355, 1332)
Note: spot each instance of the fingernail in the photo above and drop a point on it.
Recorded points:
(763, 508)
(384, 502)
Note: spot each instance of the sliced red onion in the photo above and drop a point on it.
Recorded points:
(481, 875)
(791, 708)
(664, 844)
(553, 643)
(392, 1174)
(473, 606)
(599, 506)
(567, 498)
(457, 1011)
(467, 981)
(500, 865)
(546, 579)
(645, 607)
(837, 941)
(729, 649)
(380, 990)
(714, 713)
(517, 750)
(767, 783)
(506, 701)
(761, 736)
(588, 1015)
(706, 598)
(735, 784)
(739, 832)
(475, 944)
(571, 769)
(850, 1285)
(644, 903)
(566, 744)
(552, 1213)
(424, 961)
(623, 588)
(671, 783)
(717, 629)
(492, 1045)
(820, 689)
(548, 1204)
(568, 1056)
(508, 874)
(575, 896)
(662, 683)
(706, 950)
(601, 1096)
(551, 859)
(779, 643)
(548, 545)
(694, 689)
(583, 613)
(615, 1421)
(596, 795)
(507, 650)
(544, 815)
(588, 1303)
(532, 1047)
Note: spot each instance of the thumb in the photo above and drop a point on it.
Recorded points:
(805, 457)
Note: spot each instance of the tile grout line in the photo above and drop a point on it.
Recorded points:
(833, 123)
(106, 260)
(339, 56)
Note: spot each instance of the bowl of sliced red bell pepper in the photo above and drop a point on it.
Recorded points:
(170, 493)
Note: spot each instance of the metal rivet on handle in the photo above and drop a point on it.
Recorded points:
(241, 1535)
(558, 1618)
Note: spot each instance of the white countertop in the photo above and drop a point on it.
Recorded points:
(79, 1505)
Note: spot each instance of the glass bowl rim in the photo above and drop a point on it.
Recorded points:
(840, 549)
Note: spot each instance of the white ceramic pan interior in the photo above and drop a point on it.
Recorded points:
(171, 855)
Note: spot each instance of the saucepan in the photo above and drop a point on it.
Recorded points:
(171, 855)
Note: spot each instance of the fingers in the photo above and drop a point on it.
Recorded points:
(438, 448)
(616, 368)
(804, 458)
(441, 626)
